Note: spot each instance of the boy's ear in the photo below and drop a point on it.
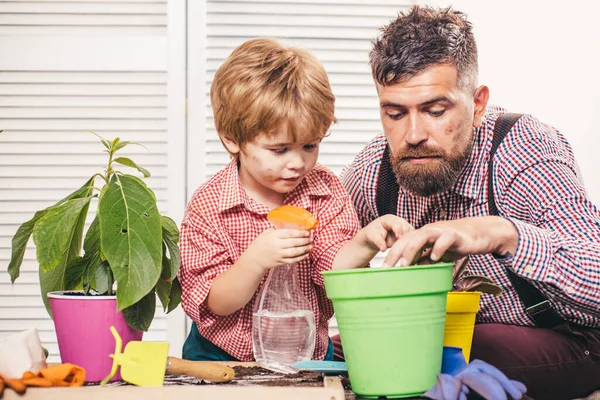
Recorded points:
(231, 146)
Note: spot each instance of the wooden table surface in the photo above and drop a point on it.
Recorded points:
(332, 390)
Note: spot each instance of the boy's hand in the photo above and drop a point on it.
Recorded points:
(275, 247)
(383, 232)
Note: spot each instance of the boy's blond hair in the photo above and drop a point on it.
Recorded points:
(264, 84)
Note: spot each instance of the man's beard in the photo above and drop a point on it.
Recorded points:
(433, 177)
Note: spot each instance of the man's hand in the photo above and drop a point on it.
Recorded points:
(379, 235)
(383, 232)
(275, 247)
(452, 240)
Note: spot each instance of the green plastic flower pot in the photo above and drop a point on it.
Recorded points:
(391, 324)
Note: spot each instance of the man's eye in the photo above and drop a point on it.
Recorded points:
(395, 115)
(436, 113)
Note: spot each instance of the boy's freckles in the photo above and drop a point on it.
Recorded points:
(269, 174)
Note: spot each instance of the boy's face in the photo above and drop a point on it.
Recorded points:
(272, 166)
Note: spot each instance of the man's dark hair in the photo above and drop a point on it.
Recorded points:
(421, 38)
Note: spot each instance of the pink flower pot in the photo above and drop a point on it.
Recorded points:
(82, 328)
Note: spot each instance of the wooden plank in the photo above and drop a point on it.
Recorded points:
(332, 390)
(178, 392)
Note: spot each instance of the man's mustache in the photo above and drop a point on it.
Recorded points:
(419, 152)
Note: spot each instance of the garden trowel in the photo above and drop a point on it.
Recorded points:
(146, 363)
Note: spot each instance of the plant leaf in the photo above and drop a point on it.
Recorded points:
(120, 145)
(74, 274)
(139, 316)
(175, 295)
(19, 244)
(163, 286)
(163, 290)
(103, 277)
(170, 235)
(474, 283)
(55, 233)
(491, 288)
(460, 267)
(131, 237)
(105, 142)
(114, 144)
(91, 246)
(130, 163)
(57, 236)
(19, 241)
(170, 263)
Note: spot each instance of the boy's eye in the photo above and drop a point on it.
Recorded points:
(310, 147)
(279, 150)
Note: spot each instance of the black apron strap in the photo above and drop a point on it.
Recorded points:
(386, 197)
(535, 303)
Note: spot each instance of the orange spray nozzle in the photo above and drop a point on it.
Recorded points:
(285, 215)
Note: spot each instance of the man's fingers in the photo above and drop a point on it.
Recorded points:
(402, 229)
(442, 244)
(408, 249)
(394, 256)
(390, 240)
(395, 224)
(380, 240)
(415, 243)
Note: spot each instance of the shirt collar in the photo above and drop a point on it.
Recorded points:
(470, 179)
(233, 194)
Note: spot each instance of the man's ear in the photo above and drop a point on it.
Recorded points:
(481, 97)
(231, 146)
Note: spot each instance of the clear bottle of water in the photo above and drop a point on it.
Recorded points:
(283, 323)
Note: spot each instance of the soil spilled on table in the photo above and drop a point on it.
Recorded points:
(249, 376)
(257, 376)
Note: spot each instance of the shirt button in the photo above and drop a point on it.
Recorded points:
(443, 214)
(586, 352)
(528, 270)
(570, 290)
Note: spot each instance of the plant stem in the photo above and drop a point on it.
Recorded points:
(109, 170)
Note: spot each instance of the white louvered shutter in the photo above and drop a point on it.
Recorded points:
(72, 66)
(338, 32)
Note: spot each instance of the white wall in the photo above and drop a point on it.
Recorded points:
(540, 57)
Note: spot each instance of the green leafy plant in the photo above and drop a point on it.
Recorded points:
(128, 243)
(472, 283)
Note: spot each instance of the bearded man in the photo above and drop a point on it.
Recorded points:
(510, 199)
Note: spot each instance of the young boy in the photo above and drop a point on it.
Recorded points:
(272, 107)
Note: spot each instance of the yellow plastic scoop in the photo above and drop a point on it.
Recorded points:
(292, 216)
(145, 364)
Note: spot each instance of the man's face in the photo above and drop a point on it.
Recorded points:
(428, 122)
